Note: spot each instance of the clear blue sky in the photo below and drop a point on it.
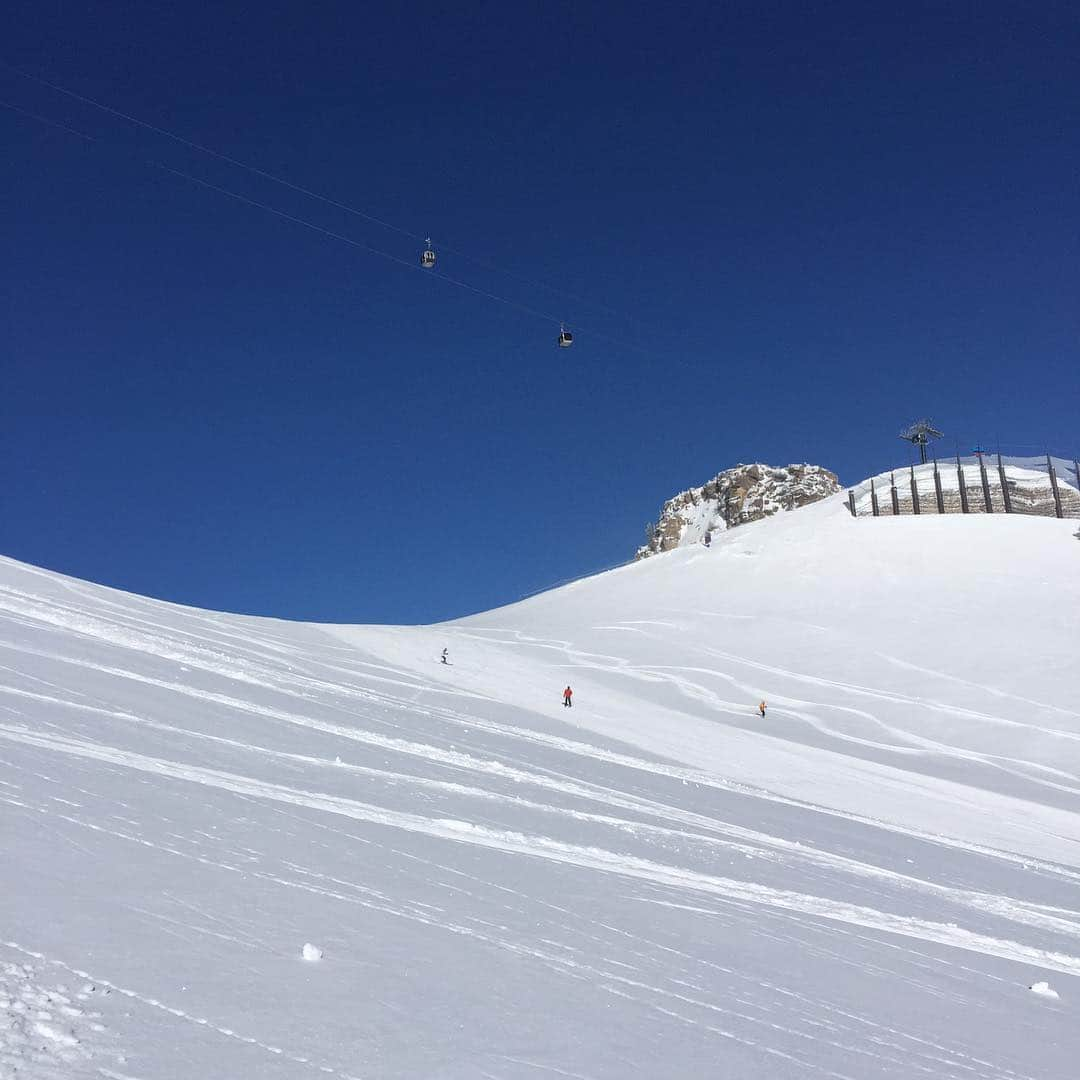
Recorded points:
(783, 231)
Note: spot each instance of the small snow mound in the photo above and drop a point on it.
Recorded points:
(1043, 990)
(455, 825)
(311, 953)
(49, 1031)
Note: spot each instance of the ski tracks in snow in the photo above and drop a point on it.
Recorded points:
(640, 836)
(591, 858)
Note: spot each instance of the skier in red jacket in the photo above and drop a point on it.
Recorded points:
(567, 695)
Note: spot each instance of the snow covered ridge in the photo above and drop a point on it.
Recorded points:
(968, 486)
(734, 497)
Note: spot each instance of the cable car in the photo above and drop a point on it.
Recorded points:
(427, 259)
(566, 339)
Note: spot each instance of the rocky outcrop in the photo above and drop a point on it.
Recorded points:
(734, 497)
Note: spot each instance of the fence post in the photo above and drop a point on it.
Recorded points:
(1006, 498)
(937, 489)
(851, 502)
(914, 492)
(1054, 488)
(964, 508)
(985, 485)
(895, 497)
(873, 500)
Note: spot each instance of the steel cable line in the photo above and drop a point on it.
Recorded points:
(354, 243)
(546, 316)
(46, 120)
(205, 149)
(191, 144)
(464, 285)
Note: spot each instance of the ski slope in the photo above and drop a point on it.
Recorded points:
(656, 883)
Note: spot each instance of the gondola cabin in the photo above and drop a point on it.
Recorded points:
(427, 259)
(566, 339)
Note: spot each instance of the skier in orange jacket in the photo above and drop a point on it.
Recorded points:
(567, 695)
(761, 709)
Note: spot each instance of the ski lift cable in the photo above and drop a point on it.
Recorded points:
(354, 243)
(205, 149)
(476, 290)
(191, 144)
(546, 316)
(46, 120)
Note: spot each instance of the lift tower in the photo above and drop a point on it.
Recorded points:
(920, 433)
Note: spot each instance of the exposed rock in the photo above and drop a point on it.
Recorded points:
(735, 497)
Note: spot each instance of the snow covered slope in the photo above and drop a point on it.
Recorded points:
(657, 882)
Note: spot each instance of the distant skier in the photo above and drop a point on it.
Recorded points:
(708, 539)
(567, 698)
(445, 655)
(761, 709)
